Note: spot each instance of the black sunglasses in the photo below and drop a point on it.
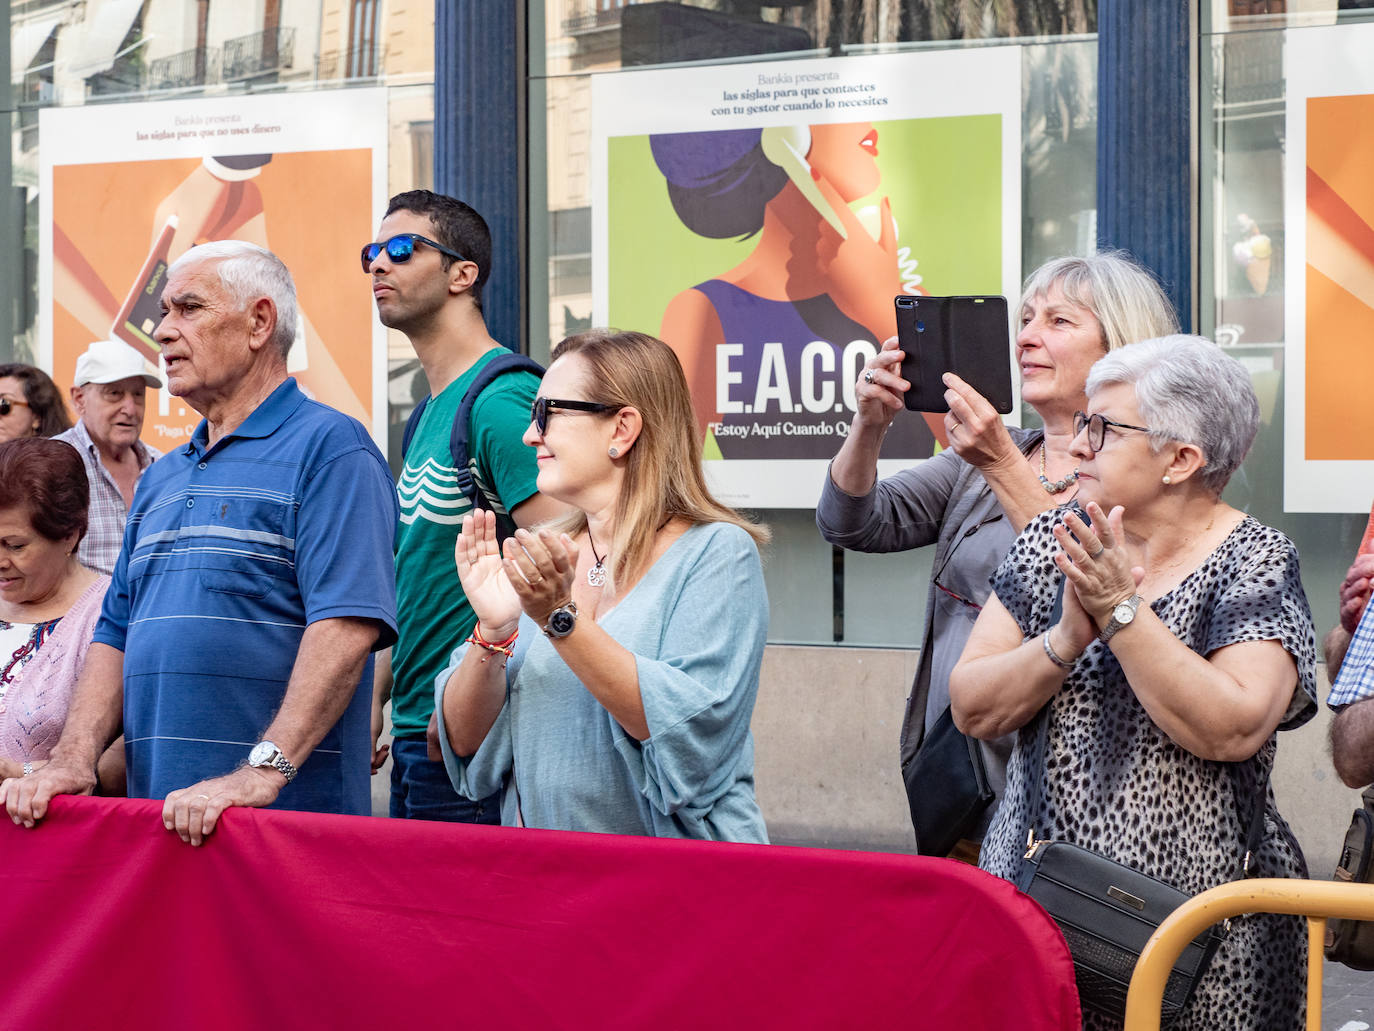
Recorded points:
(400, 247)
(7, 405)
(539, 411)
(1097, 428)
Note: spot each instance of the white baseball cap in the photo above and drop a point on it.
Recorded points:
(109, 361)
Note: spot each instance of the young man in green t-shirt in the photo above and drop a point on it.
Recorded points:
(432, 256)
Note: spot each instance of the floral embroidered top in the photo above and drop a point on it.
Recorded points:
(19, 642)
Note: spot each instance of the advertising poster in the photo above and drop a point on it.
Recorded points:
(763, 221)
(128, 188)
(1329, 224)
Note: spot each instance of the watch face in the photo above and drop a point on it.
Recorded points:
(261, 754)
(562, 622)
(1124, 613)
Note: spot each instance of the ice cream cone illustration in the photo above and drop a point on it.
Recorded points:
(1254, 253)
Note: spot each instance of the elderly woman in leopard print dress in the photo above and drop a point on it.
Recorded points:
(1182, 645)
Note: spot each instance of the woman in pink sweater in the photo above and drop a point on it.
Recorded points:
(49, 602)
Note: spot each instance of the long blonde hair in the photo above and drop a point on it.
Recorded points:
(663, 478)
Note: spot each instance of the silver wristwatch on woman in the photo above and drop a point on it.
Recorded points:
(1122, 614)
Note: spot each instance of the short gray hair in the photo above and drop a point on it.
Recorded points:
(247, 272)
(1188, 390)
(1127, 301)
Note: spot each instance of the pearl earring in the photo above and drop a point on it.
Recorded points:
(614, 452)
(1167, 481)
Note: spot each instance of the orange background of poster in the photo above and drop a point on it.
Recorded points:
(1340, 323)
(318, 213)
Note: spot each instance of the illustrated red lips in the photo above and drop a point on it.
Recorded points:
(870, 142)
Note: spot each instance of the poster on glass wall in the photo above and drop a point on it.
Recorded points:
(1329, 230)
(762, 217)
(126, 189)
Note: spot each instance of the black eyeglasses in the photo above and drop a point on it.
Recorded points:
(7, 405)
(945, 564)
(539, 411)
(1097, 428)
(400, 247)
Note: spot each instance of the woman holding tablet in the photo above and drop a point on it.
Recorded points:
(973, 498)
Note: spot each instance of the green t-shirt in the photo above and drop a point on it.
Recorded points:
(433, 615)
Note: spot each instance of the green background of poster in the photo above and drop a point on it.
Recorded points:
(943, 176)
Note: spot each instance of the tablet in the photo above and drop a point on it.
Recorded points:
(968, 336)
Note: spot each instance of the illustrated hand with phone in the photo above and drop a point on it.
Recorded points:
(860, 268)
(209, 208)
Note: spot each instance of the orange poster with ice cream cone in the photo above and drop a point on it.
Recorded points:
(115, 225)
(1329, 269)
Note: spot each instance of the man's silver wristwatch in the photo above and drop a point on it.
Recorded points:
(1122, 615)
(265, 754)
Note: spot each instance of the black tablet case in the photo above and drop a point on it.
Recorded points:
(964, 335)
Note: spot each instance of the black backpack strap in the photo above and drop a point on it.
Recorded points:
(462, 433)
(412, 424)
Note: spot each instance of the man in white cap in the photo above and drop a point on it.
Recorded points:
(109, 393)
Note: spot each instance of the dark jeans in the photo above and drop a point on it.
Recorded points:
(421, 790)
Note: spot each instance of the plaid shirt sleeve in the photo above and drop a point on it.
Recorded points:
(1355, 682)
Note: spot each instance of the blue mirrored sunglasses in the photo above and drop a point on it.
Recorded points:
(400, 247)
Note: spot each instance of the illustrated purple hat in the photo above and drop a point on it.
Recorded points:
(693, 158)
(719, 182)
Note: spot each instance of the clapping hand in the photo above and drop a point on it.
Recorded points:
(539, 567)
(1355, 590)
(485, 582)
(1094, 560)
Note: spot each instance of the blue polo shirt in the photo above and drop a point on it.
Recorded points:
(229, 552)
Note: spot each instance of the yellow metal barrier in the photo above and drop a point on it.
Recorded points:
(1316, 900)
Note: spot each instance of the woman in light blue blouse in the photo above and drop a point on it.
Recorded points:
(611, 677)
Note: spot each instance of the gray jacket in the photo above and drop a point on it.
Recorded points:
(946, 502)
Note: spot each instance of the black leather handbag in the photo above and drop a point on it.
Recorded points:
(1108, 911)
(1351, 942)
(946, 788)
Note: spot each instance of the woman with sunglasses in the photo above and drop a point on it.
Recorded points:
(972, 499)
(1145, 650)
(610, 680)
(30, 405)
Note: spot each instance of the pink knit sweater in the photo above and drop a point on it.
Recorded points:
(34, 709)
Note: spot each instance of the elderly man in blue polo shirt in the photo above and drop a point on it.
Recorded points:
(254, 582)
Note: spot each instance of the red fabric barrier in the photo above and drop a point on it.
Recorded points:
(300, 921)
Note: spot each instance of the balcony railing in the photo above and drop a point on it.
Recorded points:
(360, 62)
(259, 53)
(195, 67)
(592, 16)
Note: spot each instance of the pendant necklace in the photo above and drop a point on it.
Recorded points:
(596, 576)
(1052, 486)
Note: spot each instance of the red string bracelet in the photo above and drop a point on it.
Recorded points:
(504, 647)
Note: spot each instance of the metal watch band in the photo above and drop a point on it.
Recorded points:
(285, 767)
(1114, 624)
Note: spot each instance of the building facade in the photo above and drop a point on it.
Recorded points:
(1161, 128)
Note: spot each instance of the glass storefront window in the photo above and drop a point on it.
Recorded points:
(817, 595)
(68, 54)
(1243, 250)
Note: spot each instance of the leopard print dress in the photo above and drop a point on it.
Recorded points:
(1115, 783)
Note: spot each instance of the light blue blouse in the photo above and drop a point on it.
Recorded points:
(696, 623)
